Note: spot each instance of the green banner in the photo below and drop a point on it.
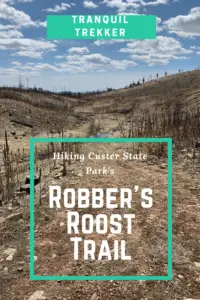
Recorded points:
(101, 27)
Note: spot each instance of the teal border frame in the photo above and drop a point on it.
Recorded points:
(101, 140)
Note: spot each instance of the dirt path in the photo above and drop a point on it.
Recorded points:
(147, 245)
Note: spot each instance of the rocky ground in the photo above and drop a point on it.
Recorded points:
(147, 244)
(28, 114)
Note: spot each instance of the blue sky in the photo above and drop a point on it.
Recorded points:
(87, 65)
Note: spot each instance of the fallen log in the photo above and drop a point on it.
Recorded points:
(24, 123)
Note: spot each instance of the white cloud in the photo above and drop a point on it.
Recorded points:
(31, 54)
(15, 16)
(27, 44)
(78, 50)
(10, 34)
(13, 72)
(159, 24)
(109, 42)
(16, 63)
(18, 1)
(95, 62)
(194, 47)
(132, 5)
(185, 25)
(58, 8)
(42, 24)
(156, 52)
(6, 27)
(122, 6)
(36, 68)
(12, 39)
(73, 64)
(25, 1)
(155, 3)
(17, 70)
(89, 4)
(27, 47)
(40, 67)
(59, 56)
(156, 59)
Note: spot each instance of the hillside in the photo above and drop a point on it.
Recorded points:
(167, 107)
(37, 109)
(154, 94)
